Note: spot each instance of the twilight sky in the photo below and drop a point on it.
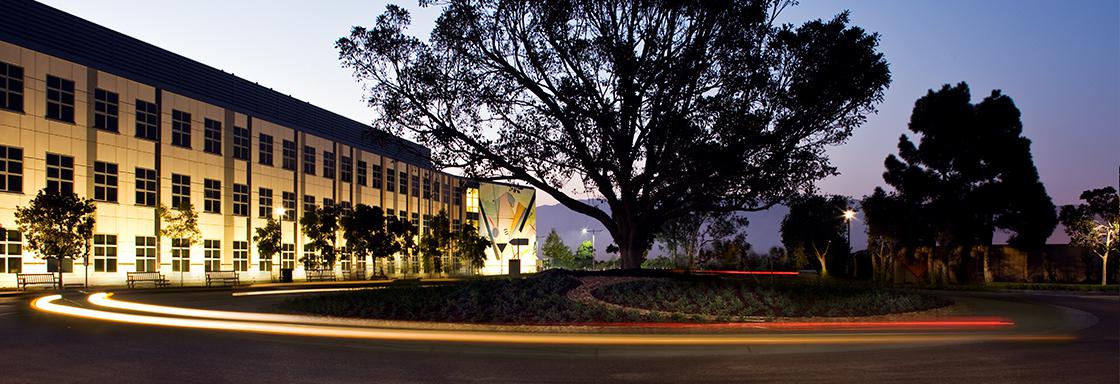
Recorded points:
(1059, 61)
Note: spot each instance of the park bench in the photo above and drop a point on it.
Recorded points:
(357, 274)
(227, 277)
(25, 279)
(321, 275)
(155, 278)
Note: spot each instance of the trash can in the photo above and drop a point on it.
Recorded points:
(286, 275)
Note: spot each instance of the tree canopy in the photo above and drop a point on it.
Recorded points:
(321, 226)
(555, 251)
(269, 240)
(180, 223)
(1095, 224)
(660, 108)
(815, 226)
(57, 226)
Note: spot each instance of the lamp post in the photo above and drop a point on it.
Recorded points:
(278, 212)
(849, 215)
(584, 231)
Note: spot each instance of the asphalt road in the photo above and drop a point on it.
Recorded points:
(41, 348)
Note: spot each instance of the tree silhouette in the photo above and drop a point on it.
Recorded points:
(816, 224)
(366, 232)
(662, 109)
(555, 251)
(269, 240)
(321, 226)
(57, 226)
(972, 172)
(1095, 224)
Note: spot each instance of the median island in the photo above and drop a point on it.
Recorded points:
(561, 297)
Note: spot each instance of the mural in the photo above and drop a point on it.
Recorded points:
(508, 217)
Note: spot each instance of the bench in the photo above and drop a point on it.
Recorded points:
(226, 277)
(155, 278)
(25, 279)
(357, 274)
(320, 275)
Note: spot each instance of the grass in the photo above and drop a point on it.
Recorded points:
(542, 299)
(750, 297)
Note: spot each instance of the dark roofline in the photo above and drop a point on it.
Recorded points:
(48, 30)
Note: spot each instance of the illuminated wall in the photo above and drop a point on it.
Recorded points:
(507, 214)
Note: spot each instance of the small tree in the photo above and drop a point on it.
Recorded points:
(58, 226)
(364, 229)
(321, 226)
(815, 224)
(436, 242)
(557, 253)
(180, 223)
(1095, 225)
(585, 256)
(269, 240)
(403, 238)
(686, 236)
(471, 247)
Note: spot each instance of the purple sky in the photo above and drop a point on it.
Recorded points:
(1059, 60)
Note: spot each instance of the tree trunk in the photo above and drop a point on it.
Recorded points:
(632, 244)
(988, 275)
(1104, 270)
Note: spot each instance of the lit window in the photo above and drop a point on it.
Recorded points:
(104, 253)
(241, 200)
(11, 251)
(11, 169)
(145, 254)
(60, 99)
(241, 256)
(11, 87)
(212, 136)
(106, 110)
(472, 199)
(180, 129)
(104, 181)
(60, 174)
(212, 196)
(212, 255)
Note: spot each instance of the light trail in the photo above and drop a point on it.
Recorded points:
(298, 291)
(48, 304)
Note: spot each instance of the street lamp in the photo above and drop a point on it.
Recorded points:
(584, 232)
(279, 213)
(850, 215)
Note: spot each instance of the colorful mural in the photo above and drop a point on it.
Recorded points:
(508, 217)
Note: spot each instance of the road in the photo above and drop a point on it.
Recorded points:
(39, 347)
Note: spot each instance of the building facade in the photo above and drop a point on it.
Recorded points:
(108, 117)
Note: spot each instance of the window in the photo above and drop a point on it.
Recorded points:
(435, 192)
(403, 184)
(446, 192)
(389, 212)
(390, 180)
(375, 177)
(146, 187)
(427, 187)
(241, 256)
(289, 206)
(427, 223)
(180, 255)
(106, 110)
(11, 251)
(472, 200)
(289, 155)
(346, 172)
(145, 254)
(309, 256)
(11, 87)
(212, 136)
(264, 264)
(60, 99)
(240, 200)
(328, 202)
(11, 169)
(415, 219)
(104, 253)
(309, 160)
(456, 225)
(361, 172)
(345, 205)
(180, 128)
(212, 196)
(288, 256)
(147, 120)
(265, 156)
(415, 261)
(60, 174)
(104, 181)
(265, 203)
(240, 143)
(180, 190)
(212, 255)
(415, 186)
(328, 164)
(308, 203)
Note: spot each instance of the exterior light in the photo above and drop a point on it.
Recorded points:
(583, 231)
(849, 215)
(278, 211)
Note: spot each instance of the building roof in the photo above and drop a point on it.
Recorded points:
(41, 28)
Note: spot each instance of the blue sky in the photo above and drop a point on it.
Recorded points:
(1059, 60)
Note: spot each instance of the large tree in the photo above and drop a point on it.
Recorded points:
(558, 254)
(437, 242)
(366, 231)
(972, 172)
(1095, 225)
(269, 240)
(816, 224)
(662, 109)
(894, 227)
(321, 226)
(57, 226)
(686, 236)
